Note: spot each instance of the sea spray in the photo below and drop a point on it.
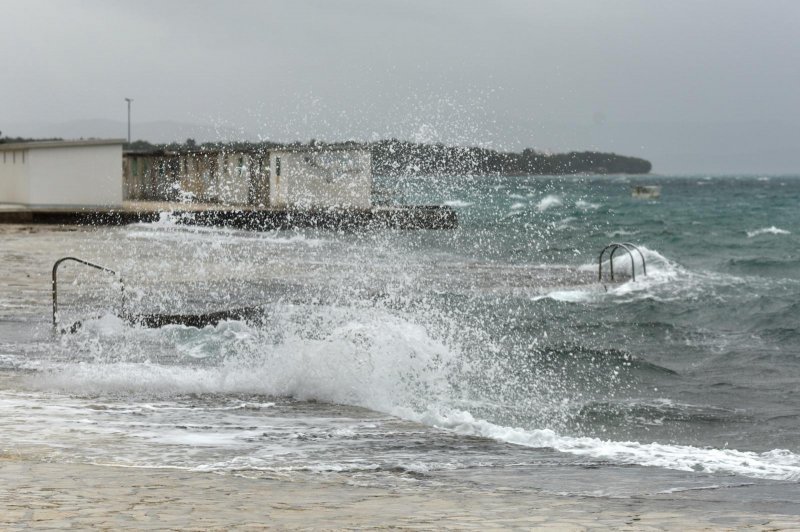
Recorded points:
(684, 369)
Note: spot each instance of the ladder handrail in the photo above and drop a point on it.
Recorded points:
(641, 255)
(633, 260)
(85, 263)
(614, 247)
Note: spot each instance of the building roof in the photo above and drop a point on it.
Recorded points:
(58, 144)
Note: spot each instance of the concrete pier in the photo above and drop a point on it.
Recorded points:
(40, 494)
(406, 217)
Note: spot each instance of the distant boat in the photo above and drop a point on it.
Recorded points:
(646, 192)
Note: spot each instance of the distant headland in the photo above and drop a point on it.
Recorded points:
(399, 158)
(402, 158)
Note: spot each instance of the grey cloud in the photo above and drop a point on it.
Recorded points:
(693, 86)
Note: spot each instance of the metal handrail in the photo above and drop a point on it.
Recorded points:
(85, 263)
(633, 260)
(614, 247)
(641, 255)
(611, 260)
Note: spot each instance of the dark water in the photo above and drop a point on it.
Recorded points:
(709, 342)
(486, 351)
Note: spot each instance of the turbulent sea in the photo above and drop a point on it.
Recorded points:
(486, 354)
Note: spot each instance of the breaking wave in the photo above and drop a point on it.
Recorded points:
(384, 360)
(767, 231)
(548, 202)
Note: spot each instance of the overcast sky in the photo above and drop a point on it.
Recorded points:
(694, 86)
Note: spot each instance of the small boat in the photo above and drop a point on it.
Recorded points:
(646, 192)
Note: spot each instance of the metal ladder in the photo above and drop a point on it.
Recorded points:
(627, 247)
(85, 263)
(151, 320)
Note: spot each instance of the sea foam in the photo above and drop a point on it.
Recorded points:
(361, 357)
(548, 202)
(767, 231)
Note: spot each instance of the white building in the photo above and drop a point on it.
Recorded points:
(324, 177)
(81, 173)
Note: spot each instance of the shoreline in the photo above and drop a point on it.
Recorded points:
(409, 217)
(36, 494)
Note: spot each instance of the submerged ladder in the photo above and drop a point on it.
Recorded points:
(152, 320)
(85, 263)
(628, 247)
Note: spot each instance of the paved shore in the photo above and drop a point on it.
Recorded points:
(40, 495)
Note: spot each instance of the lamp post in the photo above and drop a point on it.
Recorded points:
(129, 100)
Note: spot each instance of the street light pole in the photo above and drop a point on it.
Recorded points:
(129, 100)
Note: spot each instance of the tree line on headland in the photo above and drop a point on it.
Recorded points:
(402, 158)
(399, 158)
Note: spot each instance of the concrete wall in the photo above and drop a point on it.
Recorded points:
(75, 175)
(14, 166)
(309, 179)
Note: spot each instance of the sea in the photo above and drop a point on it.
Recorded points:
(490, 354)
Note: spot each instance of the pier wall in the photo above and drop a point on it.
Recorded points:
(410, 217)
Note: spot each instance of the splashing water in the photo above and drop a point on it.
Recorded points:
(378, 350)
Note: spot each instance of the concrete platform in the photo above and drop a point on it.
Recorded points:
(41, 495)
(409, 217)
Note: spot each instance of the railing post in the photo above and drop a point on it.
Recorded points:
(85, 263)
(54, 287)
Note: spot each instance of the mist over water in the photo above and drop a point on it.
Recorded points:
(381, 351)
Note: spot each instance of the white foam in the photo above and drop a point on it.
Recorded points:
(564, 224)
(621, 232)
(368, 357)
(106, 325)
(548, 202)
(517, 206)
(360, 357)
(587, 206)
(168, 230)
(767, 231)
(777, 464)
(568, 296)
(665, 280)
(458, 203)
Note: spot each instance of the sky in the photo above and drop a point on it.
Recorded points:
(694, 86)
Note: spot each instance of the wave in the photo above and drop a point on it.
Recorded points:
(777, 464)
(666, 280)
(621, 232)
(360, 357)
(548, 202)
(660, 272)
(168, 228)
(767, 231)
(587, 206)
(377, 359)
(564, 224)
(457, 203)
(571, 296)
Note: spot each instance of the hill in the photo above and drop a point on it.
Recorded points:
(397, 158)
